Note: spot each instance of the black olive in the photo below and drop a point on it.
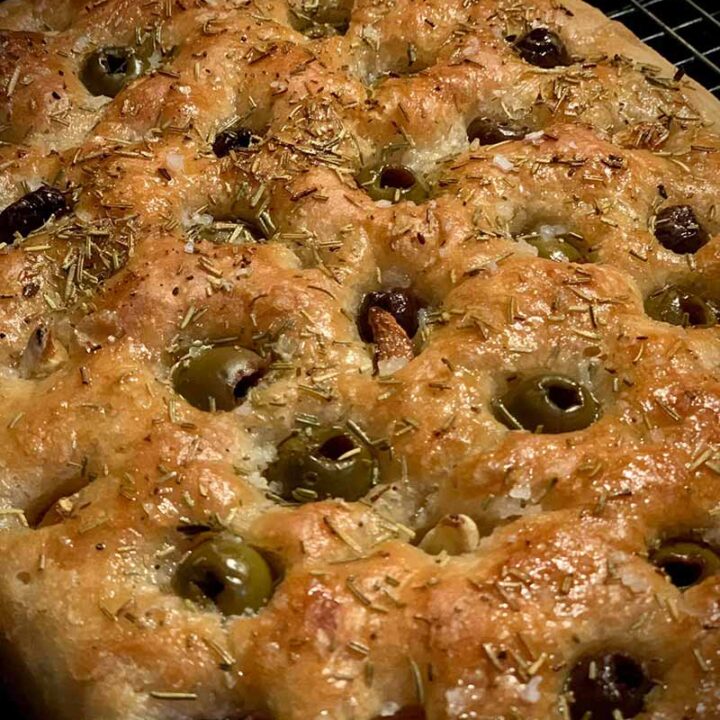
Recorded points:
(31, 212)
(547, 404)
(108, 70)
(686, 562)
(678, 229)
(607, 686)
(678, 306)
(543, 48)
(488, 131)
(400, 303)
(232, 139)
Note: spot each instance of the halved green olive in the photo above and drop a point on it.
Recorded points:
(392, 182)
(108, 70)
(677, 306)
(218, 378)
(227, 571)
(547, 404)
(686, 562)
(566, 247)
(328, 463)
(606, 687)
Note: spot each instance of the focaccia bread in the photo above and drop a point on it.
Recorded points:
(357, 360)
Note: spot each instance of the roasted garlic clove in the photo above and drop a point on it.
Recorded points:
(454, 534)
(391, 341)
(43, 354)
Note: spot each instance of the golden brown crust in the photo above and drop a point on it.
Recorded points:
(108, 477)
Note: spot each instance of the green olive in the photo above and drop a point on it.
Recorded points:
(392, 182)
(227, 571)
(149, 46)
(561, 248)
(547, 404)
(218, 378)
(238, 232)
(686, 562)
(328, 463)
(317, 22)
(108, 70)
(677, 306)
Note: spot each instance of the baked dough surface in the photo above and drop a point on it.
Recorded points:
(105, 469)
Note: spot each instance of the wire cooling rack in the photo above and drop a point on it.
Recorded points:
(686, 32)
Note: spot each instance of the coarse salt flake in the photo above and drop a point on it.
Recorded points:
(175, 161)
(500, 161)
(535, 138)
